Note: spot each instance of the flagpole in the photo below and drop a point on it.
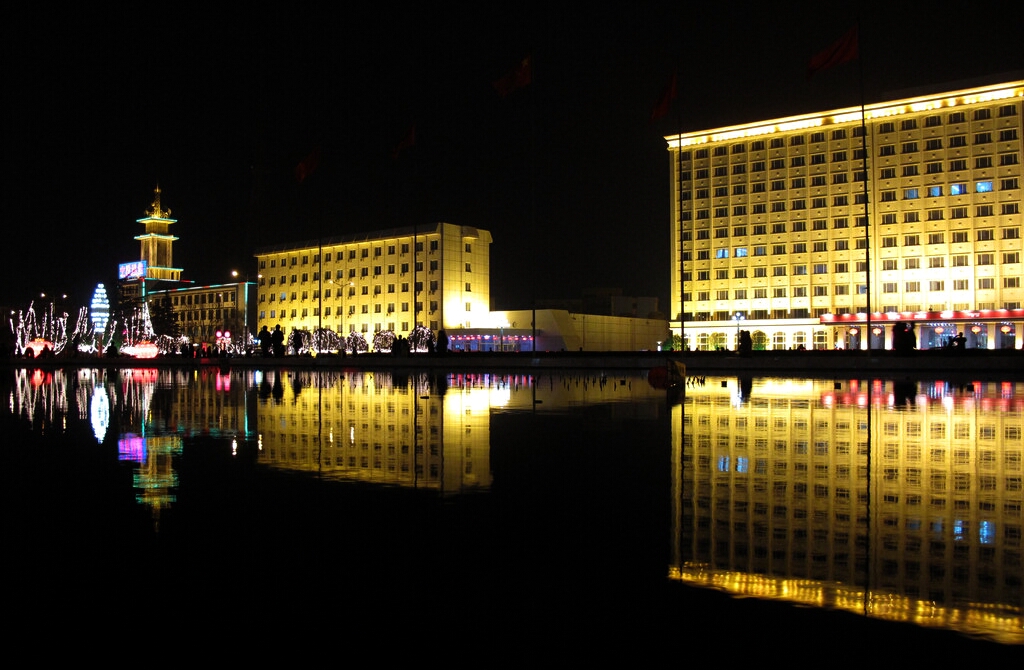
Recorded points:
(867, 195)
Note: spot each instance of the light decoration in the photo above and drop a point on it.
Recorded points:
(99, 309)
(849, 115)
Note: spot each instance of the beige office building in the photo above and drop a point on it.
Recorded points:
(824, 229)
(436, 276)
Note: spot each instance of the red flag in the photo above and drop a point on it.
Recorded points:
(518, 78)
(307, 166)
(665, 103)
(843, 51)
(406, 142)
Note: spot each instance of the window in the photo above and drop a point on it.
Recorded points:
(982, 138)
(912, 287)
(1011, 233)
(957, 117)
(839, 134)
(983, 210)
(779, 292)
(1011, 257)
(1008, 135)
(818, 203)
(1011, 282)
(983, 187)
(799, 226)
(911, 263)
(778, 250)
(982, 114)
(934, 191)
(936, 238)
(778, 164)
(842, 245)
(933, 144)
(779, 271)
(760, 272)
(887, 173)
(1009, 184)
(840, 178)
(961, 285)
(911, 240)
(934, 215)
(889, 287)
(819, 224)
(820, 269)
(778, 227)
(933, 168)
(841, 268)
(817, 159)
(840, 223)
(985, 259)
(908, 147)
(818, 180)
(958, 213)
(910, 170)
(958, 165)
(887, 127)
(910, 194)
(982, 162)
(888, 219)
(960, 236)
(888, 241)
(911, 217)
(936, 261)
(1007, 110)
(1008, 159)
(937, 285)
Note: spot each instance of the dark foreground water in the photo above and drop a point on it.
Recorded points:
(569, 516)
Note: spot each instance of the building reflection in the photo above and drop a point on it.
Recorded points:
(899, 502)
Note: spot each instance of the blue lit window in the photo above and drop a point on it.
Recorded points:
(987, 532)
(741, 464)
(721, 253)
(741, 252)
(957, 189)
(959, 530)
(910, 194)
(934, 191)
(983, 187)
(723, 464)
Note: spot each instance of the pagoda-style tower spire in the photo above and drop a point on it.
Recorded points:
(157, 241)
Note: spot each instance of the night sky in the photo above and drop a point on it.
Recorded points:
(568, 173)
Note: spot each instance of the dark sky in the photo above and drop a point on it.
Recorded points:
(218, 106)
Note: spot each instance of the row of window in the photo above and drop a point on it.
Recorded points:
(913, 263)
(378, 270)
(888, 195)
(1008, 232)
(202, 298)
(884, 128)
(935, 143)
(986, 283)
(981, 162)
(392, 249)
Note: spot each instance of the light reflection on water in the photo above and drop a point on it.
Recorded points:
(894, 500)
(900, 501)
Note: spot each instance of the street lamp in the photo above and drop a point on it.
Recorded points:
(738, 317)
(245, 310)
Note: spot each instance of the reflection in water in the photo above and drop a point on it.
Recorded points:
(898, 501)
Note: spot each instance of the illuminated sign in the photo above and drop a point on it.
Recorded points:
(133, 270)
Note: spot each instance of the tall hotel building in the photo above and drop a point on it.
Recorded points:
(436, 276)
(812, 229)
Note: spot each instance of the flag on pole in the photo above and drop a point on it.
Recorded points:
(664, 105)
(406, 142)
(842, 51)
(518, 78)
(307, 166)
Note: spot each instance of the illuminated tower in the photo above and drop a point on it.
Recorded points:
(157, 242)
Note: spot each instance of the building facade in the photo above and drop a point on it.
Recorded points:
(437, 277)
(824, 230)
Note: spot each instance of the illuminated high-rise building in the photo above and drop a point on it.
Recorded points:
(823, 230)
(437, 276)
